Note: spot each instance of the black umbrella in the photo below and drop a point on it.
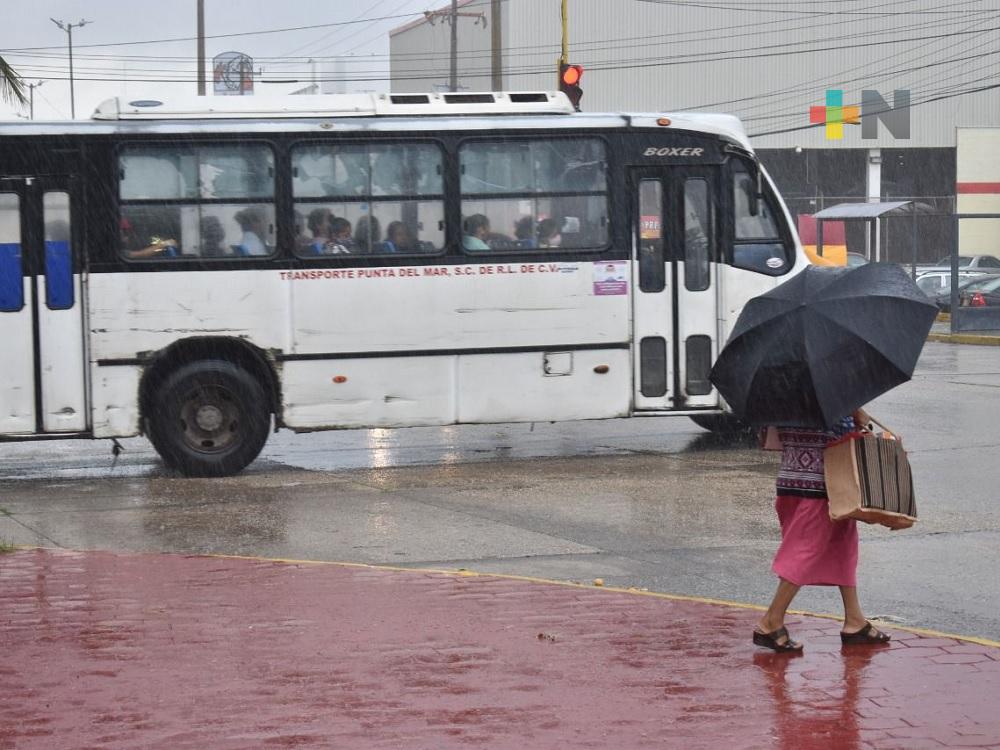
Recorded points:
(822, 344)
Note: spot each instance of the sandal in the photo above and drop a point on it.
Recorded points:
(772, 641)
(868, 635)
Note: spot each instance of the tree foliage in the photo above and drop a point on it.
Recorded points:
(11, 84)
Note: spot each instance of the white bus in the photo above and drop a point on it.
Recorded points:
(204, 272)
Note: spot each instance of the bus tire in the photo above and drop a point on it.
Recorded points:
(209, 418)
(723, 424)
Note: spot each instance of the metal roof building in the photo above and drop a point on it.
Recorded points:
(767, 62)
(771, 63)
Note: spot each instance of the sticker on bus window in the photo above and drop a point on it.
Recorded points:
(649, 227)
(610, 278)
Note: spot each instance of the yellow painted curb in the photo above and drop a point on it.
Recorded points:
(464, 573)
(964, 338)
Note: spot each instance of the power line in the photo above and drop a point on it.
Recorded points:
(692, 58)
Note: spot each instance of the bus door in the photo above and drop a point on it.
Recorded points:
(675, 312)
(43, 388)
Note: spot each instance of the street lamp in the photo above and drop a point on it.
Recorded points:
(31, 97)
(68, 28)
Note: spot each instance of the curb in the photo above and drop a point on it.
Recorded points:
(964, 338)
(466, 573)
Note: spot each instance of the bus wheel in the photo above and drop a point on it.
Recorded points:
(725, 424)
(209, 418)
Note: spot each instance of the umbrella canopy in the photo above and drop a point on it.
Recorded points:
(823, 344)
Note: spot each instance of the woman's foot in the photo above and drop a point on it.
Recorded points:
(865, 635)
(777, 640)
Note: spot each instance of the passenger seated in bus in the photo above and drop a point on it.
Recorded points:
(341, 241)
(319, 223)
(253, 222)
(524, 231)
(212, 235)
(399, 239)
(548, 233)
(134, 247)
(367, 234)
(477, 229)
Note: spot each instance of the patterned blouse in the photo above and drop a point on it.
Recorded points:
(801, 472)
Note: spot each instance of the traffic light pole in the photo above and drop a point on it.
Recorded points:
(564, 56)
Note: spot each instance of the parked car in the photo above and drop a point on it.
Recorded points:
(984, 294)
(984, 263)
(969, 281)
(935, 282)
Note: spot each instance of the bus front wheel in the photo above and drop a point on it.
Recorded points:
(725, 424)
(209, 418)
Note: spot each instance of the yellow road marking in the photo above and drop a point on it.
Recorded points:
(463, 573)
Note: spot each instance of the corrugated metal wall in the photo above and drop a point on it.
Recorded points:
(766, 62)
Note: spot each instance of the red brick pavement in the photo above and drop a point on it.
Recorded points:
(164, 651)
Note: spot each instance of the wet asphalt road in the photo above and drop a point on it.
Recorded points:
(655, 503)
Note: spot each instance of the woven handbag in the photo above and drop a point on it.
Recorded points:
(868, 477)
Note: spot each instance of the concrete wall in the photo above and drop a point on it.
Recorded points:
(978, 189)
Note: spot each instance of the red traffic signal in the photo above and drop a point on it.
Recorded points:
(569, 83)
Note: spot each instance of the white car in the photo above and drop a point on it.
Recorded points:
(934, 282)
(981, 263)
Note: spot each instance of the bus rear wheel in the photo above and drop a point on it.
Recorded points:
(209, 418)
(723, 424)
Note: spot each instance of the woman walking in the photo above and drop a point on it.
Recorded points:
(814, 551)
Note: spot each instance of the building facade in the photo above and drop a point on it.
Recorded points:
(930, 70)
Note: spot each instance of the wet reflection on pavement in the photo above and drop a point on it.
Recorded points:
(122, 651)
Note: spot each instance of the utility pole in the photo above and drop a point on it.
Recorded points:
(201, 47)
(68, 28)
(564, 55)
(453, 77)
(452, 15)
(497, 46)
(31, 98)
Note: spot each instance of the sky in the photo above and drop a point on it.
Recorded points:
(120, 52)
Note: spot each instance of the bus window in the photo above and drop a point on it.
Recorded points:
(11, 270)
(59, 292)
(757, 244)
(377, 199)
(699, 235)
(539, 193)
(652, 268)
(196, 201)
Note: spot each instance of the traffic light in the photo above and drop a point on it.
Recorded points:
(569, 83)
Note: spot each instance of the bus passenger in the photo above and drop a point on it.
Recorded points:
(477, 229)
(548, 233)
(212, 235)
(524, 231)
(319, 222)
(136, 248)
(340, 236)
(398, 239)
(367, 234)
(253, 222)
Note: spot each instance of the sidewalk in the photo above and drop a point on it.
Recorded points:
(941, 331)
(166, 651)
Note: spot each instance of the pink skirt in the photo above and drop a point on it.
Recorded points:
(815, 551)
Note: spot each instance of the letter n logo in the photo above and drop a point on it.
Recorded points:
(895, 118)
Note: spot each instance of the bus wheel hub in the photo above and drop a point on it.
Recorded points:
(209, 418)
